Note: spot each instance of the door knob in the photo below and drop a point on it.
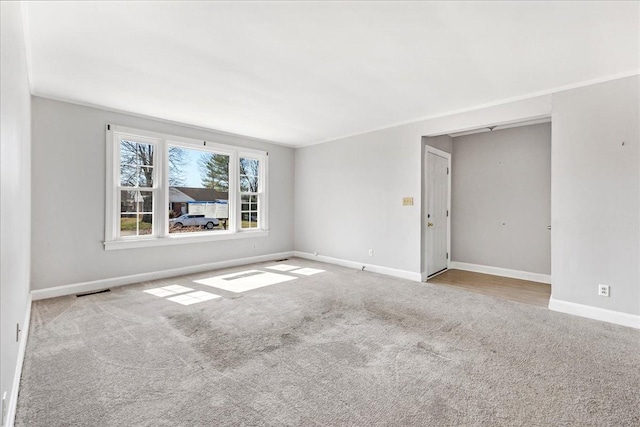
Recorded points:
(429, 224)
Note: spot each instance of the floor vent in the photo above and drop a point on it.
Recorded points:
(93, 293)
(283, 259)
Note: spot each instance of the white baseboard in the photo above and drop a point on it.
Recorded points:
(504, 272)
(96, 285)
(596, 313)
(12, 404)
(403, 274)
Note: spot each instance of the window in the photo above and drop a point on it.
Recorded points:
(198, 190)
(137, 173)
(249, 192)
(164, 189)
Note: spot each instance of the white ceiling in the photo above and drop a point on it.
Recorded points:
(305, 72)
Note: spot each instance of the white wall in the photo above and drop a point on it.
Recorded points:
(349, 199)
(501, 199)
(596, 195)
(15, 183)
(348, 193)
(69, 200)
(442, 142)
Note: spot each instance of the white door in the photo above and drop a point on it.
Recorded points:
(437, 212)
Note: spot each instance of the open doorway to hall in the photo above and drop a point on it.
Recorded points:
(500, 211)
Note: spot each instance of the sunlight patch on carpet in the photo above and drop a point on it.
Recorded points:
(307, 271)
(193, 297)
(166, 291)
(283, 267)
(245, 280)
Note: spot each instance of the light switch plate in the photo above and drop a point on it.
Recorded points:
(407, 201)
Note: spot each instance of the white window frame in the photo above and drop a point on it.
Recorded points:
(160, 235)
(260, 195)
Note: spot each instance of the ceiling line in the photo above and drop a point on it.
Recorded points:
(487, 105)
(162, 120)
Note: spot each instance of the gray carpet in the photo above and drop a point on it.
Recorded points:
(339, 348)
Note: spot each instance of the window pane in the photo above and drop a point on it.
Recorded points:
(249, 170)
(128, 201)
(136, 153)
(145, 224)
(145, 176)
(144, 154)
(198, 185)
(136, 224)
(244, 184)
(249, 219)
(136, 176)
(128, 152)
(128, 176)
(128, 225)
(147, 201)
(136, 164)
(249, 175)
(249, 211)
(136, 201)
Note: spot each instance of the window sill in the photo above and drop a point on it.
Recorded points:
(179, 239)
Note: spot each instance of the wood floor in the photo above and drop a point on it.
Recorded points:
(524, 291)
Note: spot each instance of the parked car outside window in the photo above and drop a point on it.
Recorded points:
(190, 220)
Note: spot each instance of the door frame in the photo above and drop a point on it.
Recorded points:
(423, 226)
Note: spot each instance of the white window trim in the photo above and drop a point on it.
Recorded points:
(263, 207)
(161, 236)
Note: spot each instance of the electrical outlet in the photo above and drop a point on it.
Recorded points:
(370, 252)
(407, 201)
(603, 290)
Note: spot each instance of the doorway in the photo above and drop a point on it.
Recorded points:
(437, 206)
(501, 199)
